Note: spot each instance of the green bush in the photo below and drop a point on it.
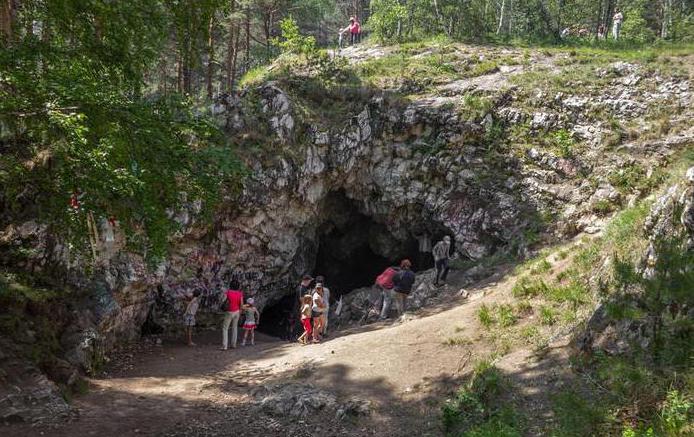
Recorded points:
(478, 409)
(485, 316)
(529, 287)
(547, 316)
(386, 15)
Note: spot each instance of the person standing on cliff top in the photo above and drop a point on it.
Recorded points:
(617, 24)
(442, 254)
(354, 29)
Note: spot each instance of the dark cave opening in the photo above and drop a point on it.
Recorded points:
(278, 318)
(352, 249)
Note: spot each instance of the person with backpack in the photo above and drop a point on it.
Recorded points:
(402, 285)
(233, 301)
(442, 254)
(384, 282)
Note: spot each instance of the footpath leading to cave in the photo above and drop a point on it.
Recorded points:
(388, 378)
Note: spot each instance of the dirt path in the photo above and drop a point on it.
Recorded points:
(401, 370)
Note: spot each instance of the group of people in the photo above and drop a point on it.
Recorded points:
(583, 32)
(311, 308)
(234, 307)
(314, 308)
(353, 29)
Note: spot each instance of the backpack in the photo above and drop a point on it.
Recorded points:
(385, 279)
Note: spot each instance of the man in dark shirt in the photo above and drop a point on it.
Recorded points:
(402, 285)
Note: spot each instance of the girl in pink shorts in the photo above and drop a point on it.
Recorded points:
(252, 320)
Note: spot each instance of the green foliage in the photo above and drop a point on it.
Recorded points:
(484, 314)
(676, 414)
(478, 408)
(529, 287)
(296, 46)
(292, 41)
(77, 123)
(576, 416)
(564, 142)
(547, 315)
(386, 19)
(634, 177)
(635, 26)
(506, 316)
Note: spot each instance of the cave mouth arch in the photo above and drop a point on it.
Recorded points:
(350, 248)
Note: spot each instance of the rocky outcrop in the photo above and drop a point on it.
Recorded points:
(381, 180)
(669, 226)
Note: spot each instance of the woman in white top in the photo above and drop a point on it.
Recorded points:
(317, 312)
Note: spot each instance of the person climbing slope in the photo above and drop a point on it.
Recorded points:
(442, 254)
(251, 321)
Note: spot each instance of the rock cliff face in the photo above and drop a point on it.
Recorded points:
(347, 197)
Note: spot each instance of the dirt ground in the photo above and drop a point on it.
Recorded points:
(401, 369)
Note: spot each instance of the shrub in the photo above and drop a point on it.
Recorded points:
(543, 266)
(478, 408)
(564, 143)
(575, 415)
(485, 316)
(385, 16)
(675, 413)
(506, 316)
(528, 287)
(547, 316)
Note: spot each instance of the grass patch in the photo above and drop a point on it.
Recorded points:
(577, 416)
(457, 341)
(547, 316)
(485, 316)
(479, 407)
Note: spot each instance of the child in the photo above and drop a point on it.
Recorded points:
(189, 316)
(252, 320)
(306, 318)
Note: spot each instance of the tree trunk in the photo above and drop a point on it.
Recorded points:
(210, 55)
(231, 48)
(247, 57)
(179, 73)
(7, 20)
(502, 18)
(667, 18)
(598, 18)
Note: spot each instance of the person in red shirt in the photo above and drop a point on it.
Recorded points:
(234, 300)
(354, 30)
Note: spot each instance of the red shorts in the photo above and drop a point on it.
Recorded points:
(307, 325)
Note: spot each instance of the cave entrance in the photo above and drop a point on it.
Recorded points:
(350, 250)
(353, 248)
